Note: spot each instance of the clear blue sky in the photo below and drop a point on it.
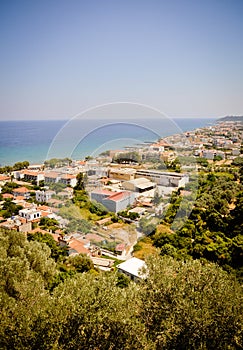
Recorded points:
(184, 57)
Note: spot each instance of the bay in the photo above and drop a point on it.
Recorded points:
(37, 140)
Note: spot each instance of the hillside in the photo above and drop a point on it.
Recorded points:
(231, 119)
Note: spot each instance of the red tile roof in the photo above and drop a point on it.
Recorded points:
(7, 195)
(119, 196)
(32, 172)
(4, 178)
(21, 190)
(52, 175)
(78, 246)
(106, 192)
(68, 176)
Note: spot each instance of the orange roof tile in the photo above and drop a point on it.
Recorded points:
(78, 246)
(118, 196)
(4, 178)
(7, 195)
(21, 190)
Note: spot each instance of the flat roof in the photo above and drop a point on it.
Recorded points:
(132, 266)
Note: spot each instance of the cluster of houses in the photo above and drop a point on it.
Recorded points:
(221, 140)
(116, 186)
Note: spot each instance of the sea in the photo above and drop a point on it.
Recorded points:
(39, 140)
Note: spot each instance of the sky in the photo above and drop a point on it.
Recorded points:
(183, 57)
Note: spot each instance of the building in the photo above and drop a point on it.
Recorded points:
(33, 176)
(113, 201)
(30, 214)
(51, 177)
(169, 179)
(4, 179)
(21, 192)
(132, 268)
(124, 174)
(139, 185)
(68, 180)
(44, 196)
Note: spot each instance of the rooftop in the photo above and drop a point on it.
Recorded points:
(132, 266)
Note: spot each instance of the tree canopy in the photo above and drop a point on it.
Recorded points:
(180, 305)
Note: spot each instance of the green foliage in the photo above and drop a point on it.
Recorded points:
(238, 161)
(193, 306)
(127, 157)
(81, 263)
(57, 187)
(122, 280)
(146, 226)
(49, 224)
(203, 162)
(57, 253)
(181, 305)
(9, 208)
(217, 158)
(97, 208)
(128, 215)
(211, 230)
(9, 187)
(55, 162)
(17, 166)
(81, 182)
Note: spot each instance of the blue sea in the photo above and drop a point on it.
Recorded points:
(39, 140)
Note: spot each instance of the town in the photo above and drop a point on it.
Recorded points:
(118, 190)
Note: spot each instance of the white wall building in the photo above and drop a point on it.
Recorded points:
(44, 196)
(30, 214)
(164, 178)
(133, 268)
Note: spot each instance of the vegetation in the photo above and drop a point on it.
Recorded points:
(214, 228)
(9, 208)
(56, 162)
(181, 305)
(17, 166)
(127, 157)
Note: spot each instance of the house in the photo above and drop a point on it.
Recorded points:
(68, 180)
(67, 193)
(51, 177)
(75, 247)
(17, 223)
(114, 201)
(4, 179)
(121, 249)
(33, 176)
(21, 192)
(132, 268)
(30, 214)
(44, 196)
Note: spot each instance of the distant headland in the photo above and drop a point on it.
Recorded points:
(231, 119)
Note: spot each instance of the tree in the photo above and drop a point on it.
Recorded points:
(81, 263)
(81, 182)
(58, 253)
(10, 208)
(190, 305)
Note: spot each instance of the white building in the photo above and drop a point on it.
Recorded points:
(133, 268)
(68, 180)
(30, 214)
(113, 201)
(169, 179)
(44, 196)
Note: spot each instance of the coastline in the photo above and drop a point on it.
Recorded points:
(31, 140)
